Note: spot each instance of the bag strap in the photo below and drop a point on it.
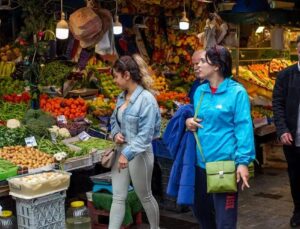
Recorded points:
(195, 133)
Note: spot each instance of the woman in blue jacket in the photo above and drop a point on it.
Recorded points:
(135, 123)
(224, 127)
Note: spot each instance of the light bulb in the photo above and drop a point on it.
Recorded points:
(260, 29)
(62, 28)
(184, 23)
(117, 28)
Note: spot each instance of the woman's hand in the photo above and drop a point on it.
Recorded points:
(123, 162)
(193, 124)
(242, 174)
(119, 138)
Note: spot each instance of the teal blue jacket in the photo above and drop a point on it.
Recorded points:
(227, 132)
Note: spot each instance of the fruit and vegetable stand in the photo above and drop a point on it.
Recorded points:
(55, 109)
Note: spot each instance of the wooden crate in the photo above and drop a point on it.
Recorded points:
(273, 156)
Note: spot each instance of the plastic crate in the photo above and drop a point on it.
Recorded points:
(166, 202)
(47, 212)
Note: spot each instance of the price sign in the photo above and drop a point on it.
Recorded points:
(178, 104)
(62, 119)
(88, 121)
(53, 137)
(84, 136)
(30, 141)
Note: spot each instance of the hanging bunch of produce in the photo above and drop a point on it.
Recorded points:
(6, 69)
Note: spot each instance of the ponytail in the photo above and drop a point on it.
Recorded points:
(138, 69)
(146, 78)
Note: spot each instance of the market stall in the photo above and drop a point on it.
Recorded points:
(57, 95)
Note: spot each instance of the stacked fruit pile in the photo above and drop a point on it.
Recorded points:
(26, 157)
(256, 76)
(101, 106)
(110, 90)
(9, 53)
(167, 99)
(70, 108)
(277, 65)
(17, 98)
(160, 84)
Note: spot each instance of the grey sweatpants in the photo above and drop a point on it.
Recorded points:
(140, 172)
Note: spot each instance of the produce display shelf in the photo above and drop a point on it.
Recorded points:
(88, 160)
(78, 162)
(96, 155)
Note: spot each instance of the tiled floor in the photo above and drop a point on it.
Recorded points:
(266, 205)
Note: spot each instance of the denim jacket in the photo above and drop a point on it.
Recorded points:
(140, 122)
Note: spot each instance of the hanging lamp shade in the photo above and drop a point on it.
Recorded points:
(184, 23)
(117, 28)
(62, 28)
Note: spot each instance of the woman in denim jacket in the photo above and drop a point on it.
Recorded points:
(135, 123)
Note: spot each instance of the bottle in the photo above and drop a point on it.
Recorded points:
(78, 216)
(7, 220)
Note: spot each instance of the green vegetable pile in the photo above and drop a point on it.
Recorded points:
(49, 147)
(10, 86)
(7, 169)
(94, 143)
(54, 74)
(12, 110)
(12, 137)
(38, 122)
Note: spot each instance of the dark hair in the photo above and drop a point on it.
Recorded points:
(220, 56)
(137, 68)
(298, 40)
(127, 63)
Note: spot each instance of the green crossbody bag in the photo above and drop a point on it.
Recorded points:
(221, 175)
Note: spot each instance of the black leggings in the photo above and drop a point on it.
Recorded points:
(292, 155)
(213, 211)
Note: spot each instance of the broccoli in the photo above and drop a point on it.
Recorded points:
(38, 122)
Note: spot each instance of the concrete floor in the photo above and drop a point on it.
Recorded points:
(266, 205)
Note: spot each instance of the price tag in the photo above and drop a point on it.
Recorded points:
(84, 136)
(88, 121)
(53, 137)
(30, 141)
(62, 119)
(178, 104)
